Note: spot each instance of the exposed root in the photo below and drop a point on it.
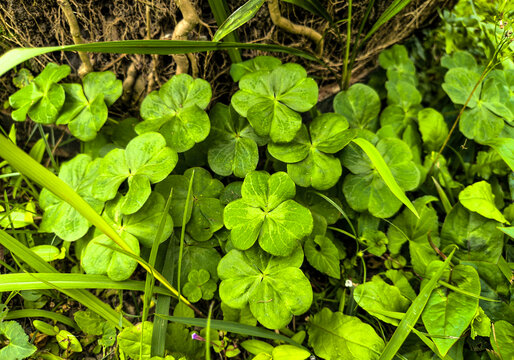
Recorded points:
(287, 25)
(189, 21)
(86, 66)
(128, 83)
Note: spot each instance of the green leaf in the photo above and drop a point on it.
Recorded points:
(323, 255)
(177, 112)
(101, 260)
(275, 287)
(449, 313)
(403, 93)
(18, 346)
(381, 300)
(271, 100)
(61, 218)
(477, 237)
(235, 144)
(360, 105)
(397, 63)
(433, 128)
(146, 160)
(504, 147)
(49, 252)
(314, 7)
(196, 258)
(137, 340)
(256, 347)
(266, 63)
(267, 213)
(459, 83)
(375, 241)
(43, 98)
(335, 336)
(289, 352)
(459, 59)
(380, 176)
(479, 198)
(501, 339)
(480, 325)
(238, 18)
(68, 341)
(89, 322)
(480, 124)
(85, 109)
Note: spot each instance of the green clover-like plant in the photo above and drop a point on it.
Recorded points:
(146, 160)
(85, 110)
(17, 345)
(360, 105)
(259, 63)
(274, 287)
(43, 98)
(364, 189)
(266, 212)
(205, 213)
(272, 100)
(177, 112)
(199, 286)
(235, 143)
(323, 255)
(60, 217)
(309, 155)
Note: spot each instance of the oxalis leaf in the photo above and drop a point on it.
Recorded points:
(360, 106)
(309, 155)
(449, 313)
(335, 336)
(266, 212)
(146, 160)
(271, 100)
(60, 217)
(379, 176)
(85, 109)
(176, 110)
(274, 287)
(43, 98)
(267, 63)
(18, 346)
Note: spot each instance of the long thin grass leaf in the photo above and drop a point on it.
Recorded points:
(233, 327)
(393, 9)
(430, 344)
(385, 172)
(84, 297)
(340, 209)
(189, 200)
(314, 7)
(442, 195)
(17, 56)
(413, 313)
(33, 313)
(220, 11)
(238, 18)
(463, 292)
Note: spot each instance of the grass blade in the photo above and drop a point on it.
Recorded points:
(16, 56)
(220, 12)
(86, 298)
(393, 9)
(314, 7)
(41, 281)
(189, 202)
(413, 313)
(238, 18)
(32, 313)
(385, 172)
(233, 327)
(442, 195)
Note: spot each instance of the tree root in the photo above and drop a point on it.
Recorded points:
(189, 21)
(287, 25)
(86, 66)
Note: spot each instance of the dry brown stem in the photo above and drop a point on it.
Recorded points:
(189, 21)
(287, 25)
(77, 38)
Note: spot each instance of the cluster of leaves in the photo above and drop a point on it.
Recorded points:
(321, 194)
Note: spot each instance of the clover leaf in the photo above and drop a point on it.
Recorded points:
(323, 255)
(335, 336)
(60, 217)
(364, 189)
(136, 341)
(271, 100)
(375, 241)
(43, 98)
(141, 224)
(18, 346)
(275, 287)
(267, 212)
(177, 112)
(309, 158)
(398, 65)
(448, 313)
(146, 160)
(99, 258)
(433, 128)
(199, 286)
(205, 212)
(85, 109)
(235, 144)
(360, 105)
(238, 70)
(381, 300)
